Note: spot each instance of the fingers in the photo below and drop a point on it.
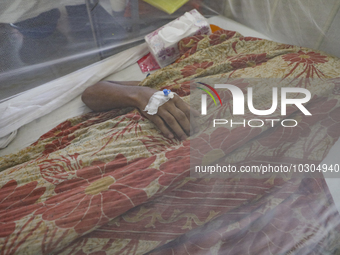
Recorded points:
(189, 112)
(181, 119)
(174, 118)
(172, 123)
(185, 107)
(161, 125)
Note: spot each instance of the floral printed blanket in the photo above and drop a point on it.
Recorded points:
(110, 183)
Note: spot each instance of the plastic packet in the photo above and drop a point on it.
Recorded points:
(148, 63)
(163, 42)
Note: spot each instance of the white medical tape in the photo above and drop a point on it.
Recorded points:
(157, 99)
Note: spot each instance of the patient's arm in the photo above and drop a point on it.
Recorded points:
(172, 118)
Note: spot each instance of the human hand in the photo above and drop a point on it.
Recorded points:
(173, 117)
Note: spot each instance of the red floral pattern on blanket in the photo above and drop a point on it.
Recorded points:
(13, 199)
(60, 130)
(336, 83)
(196, 68)
(250, 60)
(197, 43)
(110, 183)
(132, 122)
(188, 43)
(320, 108)
(333, 125)
(162, 212)
(177, 165)
(257, 233)
(63, 134)
(308, 60)
(156, 145)
(220, 36)
(94, 195)
(246, 39)
(249, 39)
(182, 89)
(55, 170)
(206, 149)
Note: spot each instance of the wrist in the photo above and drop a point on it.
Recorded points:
(140, 97)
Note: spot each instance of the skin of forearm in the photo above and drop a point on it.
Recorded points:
(127, 83)
(173, 117)
(106, 95)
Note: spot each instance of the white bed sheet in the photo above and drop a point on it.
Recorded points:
(32, 131)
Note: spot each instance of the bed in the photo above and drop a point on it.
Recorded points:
(109, 183)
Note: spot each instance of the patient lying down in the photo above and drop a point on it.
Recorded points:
(110, 183)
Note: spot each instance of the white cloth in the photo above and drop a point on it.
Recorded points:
(30, 132)
(41, 100)
(4, 141)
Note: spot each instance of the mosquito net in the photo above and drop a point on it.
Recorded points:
(43, 40)
(112, 183)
